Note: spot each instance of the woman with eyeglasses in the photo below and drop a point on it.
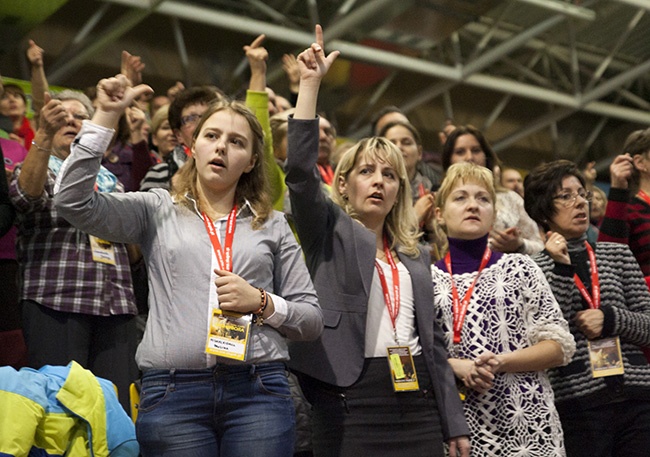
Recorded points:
(603, 395)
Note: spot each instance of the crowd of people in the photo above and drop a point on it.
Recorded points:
(275, 294)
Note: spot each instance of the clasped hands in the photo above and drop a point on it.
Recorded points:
(479, 374)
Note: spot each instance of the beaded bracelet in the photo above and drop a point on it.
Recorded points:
(263, 302)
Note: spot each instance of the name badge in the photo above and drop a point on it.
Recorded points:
(228, 334)
(605, 357)
(103, 251)
(402, 369)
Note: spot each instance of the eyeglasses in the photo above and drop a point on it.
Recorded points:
(190, 119)
(568, 199)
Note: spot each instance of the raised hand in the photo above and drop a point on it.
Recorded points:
(173, 91)
(53, 116)
(35, 54)
(132, 67)
(313, 65)
(114, 95)
(257, 56)
(135, 118)
(590, 173)
(313, 62)
(621, 171)
(292, 70)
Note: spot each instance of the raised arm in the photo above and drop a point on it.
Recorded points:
(257, 99)
(615, 227)
(38, 80)
(314, 65)
(115, 217)
(308, 203)
(33, 173)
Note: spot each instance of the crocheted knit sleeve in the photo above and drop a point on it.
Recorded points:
(541, 311)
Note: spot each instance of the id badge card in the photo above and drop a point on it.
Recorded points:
(605, 357)
(103, 251)
(402, 369)
(228, 334)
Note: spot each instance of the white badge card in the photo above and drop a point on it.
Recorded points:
(402, 369)
(103, 251)
(228, 334)
(605, 356)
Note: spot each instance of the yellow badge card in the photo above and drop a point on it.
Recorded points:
(103, 251)
(228, 334)
(402, 369)
(605, 356)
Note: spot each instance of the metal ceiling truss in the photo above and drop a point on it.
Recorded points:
(496, 44)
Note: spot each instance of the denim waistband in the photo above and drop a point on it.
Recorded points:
(178, 375)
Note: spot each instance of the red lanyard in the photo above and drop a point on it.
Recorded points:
(592, 300)
(643, 196)
(460, 308)
(224, 256)
(326, 173)
(421, 190)
(393, 311)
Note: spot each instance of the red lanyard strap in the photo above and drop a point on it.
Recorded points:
(326, 173)
(421, 190)
(459, 308)
(224, 256)
(592, 300)
(393, 311)
(643, 196)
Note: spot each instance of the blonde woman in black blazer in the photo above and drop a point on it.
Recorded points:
(347, 240)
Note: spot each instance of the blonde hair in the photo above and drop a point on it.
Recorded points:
(464, 172)
(159, 118)
(252, 187)
(401, 222)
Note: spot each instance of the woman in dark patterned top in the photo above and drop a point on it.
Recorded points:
(603, 395)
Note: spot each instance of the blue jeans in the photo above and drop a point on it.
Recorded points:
(226, 411)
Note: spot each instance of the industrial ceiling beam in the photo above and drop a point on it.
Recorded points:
(643, 4)
(392, 60)
(495, 54)
(566, 8)
(119, 28)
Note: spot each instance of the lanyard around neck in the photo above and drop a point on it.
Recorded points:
(393, 310)
(459, 307)
(224, 256)
(592, 300)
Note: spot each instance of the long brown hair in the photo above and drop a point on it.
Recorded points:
(252, 186)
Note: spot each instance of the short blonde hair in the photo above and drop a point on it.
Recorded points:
(401, 222)
(463, 172)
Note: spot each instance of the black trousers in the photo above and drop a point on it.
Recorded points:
(103, 344)
(612, 430)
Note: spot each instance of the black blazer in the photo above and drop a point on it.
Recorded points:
(340, 254)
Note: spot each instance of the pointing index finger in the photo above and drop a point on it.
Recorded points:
(319, 36)
(258, 41)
